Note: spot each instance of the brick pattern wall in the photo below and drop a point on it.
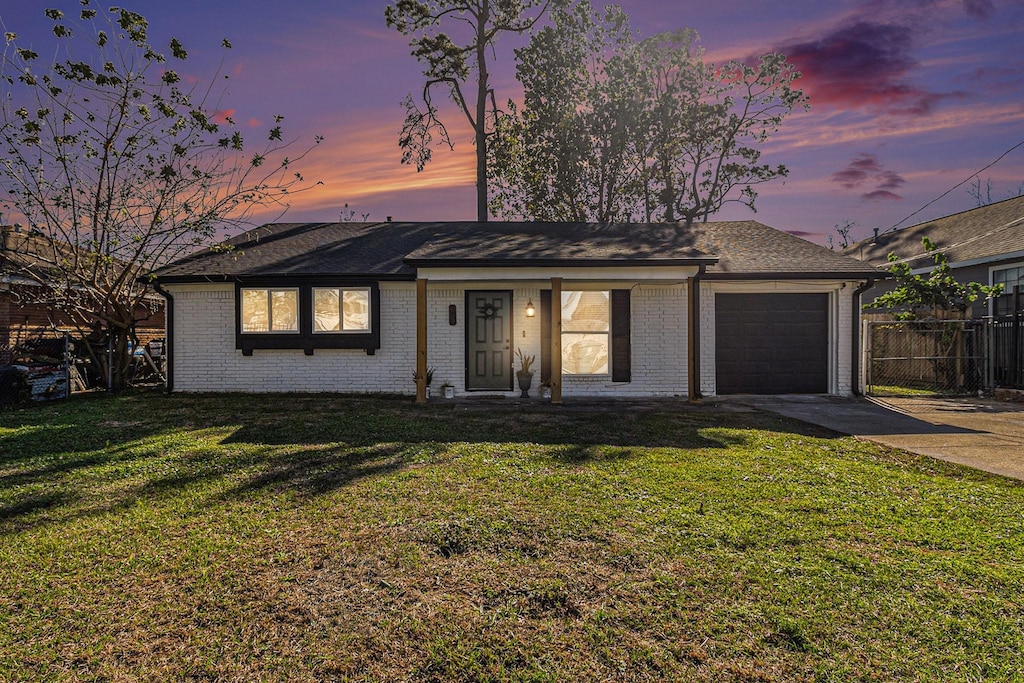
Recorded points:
(658, 333)
(205, 357)
(843, 303)
(707, 340)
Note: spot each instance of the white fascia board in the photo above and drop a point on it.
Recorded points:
(769, 286)
(976, 262)
(540, 273)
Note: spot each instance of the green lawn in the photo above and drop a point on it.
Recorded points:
(152, 537)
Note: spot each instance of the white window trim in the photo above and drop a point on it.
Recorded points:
(341, 312)
(991, 276)
(270, 310)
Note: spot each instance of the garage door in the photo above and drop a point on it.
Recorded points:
(771, 343)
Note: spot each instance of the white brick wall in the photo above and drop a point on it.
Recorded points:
(658, 335)
(843, 303)
(707, 339)
(205, 358)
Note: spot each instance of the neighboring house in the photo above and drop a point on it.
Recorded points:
(23, 257)
(984, 245)
(609, 310)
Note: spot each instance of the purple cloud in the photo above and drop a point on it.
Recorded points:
(862, 65)
(890, 180)
(857, 172)
(979, 9)
(866, 170)
(880, 195)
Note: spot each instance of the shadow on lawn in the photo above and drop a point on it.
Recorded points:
(107, 455)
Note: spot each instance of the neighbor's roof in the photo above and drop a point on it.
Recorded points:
(987, 233)
(23, 250)
(395, 250)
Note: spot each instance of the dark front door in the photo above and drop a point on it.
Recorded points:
(488, 340)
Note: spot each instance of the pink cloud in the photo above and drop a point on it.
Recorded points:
(863, 65)
(222, 115)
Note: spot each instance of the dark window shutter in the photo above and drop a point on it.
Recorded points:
(545, 335)
(621, 353)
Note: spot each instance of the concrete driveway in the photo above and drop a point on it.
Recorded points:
(981, 433)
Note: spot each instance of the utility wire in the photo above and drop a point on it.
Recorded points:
(960, 184)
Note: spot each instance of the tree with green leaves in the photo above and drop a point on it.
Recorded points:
(117, 167)
(576, 150)
(919, 297)
(452, 39)
(616, 128)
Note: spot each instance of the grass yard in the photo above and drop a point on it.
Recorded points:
(312, 538)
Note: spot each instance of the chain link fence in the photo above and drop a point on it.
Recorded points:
(932, 357)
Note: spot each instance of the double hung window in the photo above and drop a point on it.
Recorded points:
(307, 315)
(586, 327)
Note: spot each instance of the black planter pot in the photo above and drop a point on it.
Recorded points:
(525, 380)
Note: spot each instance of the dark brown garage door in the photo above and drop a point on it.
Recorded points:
(771, 343)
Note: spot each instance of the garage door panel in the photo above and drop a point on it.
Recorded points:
(771, 343)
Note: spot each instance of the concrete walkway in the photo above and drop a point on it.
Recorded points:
(981, 433)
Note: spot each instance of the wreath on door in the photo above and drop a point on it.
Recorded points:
(488, 311)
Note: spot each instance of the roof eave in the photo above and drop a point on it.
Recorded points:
(809, 275)
(557, 262)
(256, 277)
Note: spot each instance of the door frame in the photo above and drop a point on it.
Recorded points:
(511, 336)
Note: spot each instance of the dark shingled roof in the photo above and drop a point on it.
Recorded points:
(984, 233)
(394, 250)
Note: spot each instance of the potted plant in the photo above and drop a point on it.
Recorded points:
(447, 390)
(545, 389)
(525, 374)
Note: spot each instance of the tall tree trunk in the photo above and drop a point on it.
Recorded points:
(481, 114)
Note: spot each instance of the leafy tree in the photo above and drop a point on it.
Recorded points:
(572, 154)
(119, 167)
(918, 297)
(618, 128)
(452, 39)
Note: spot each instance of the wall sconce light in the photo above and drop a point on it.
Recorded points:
(530, 310)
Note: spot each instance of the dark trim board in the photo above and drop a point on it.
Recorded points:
(304, 339)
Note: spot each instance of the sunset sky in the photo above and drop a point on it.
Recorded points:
(908, 98)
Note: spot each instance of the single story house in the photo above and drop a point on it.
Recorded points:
(984, 245)
(608, 310)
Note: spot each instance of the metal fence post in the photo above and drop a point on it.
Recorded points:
(67, 365)
(1015, 344)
